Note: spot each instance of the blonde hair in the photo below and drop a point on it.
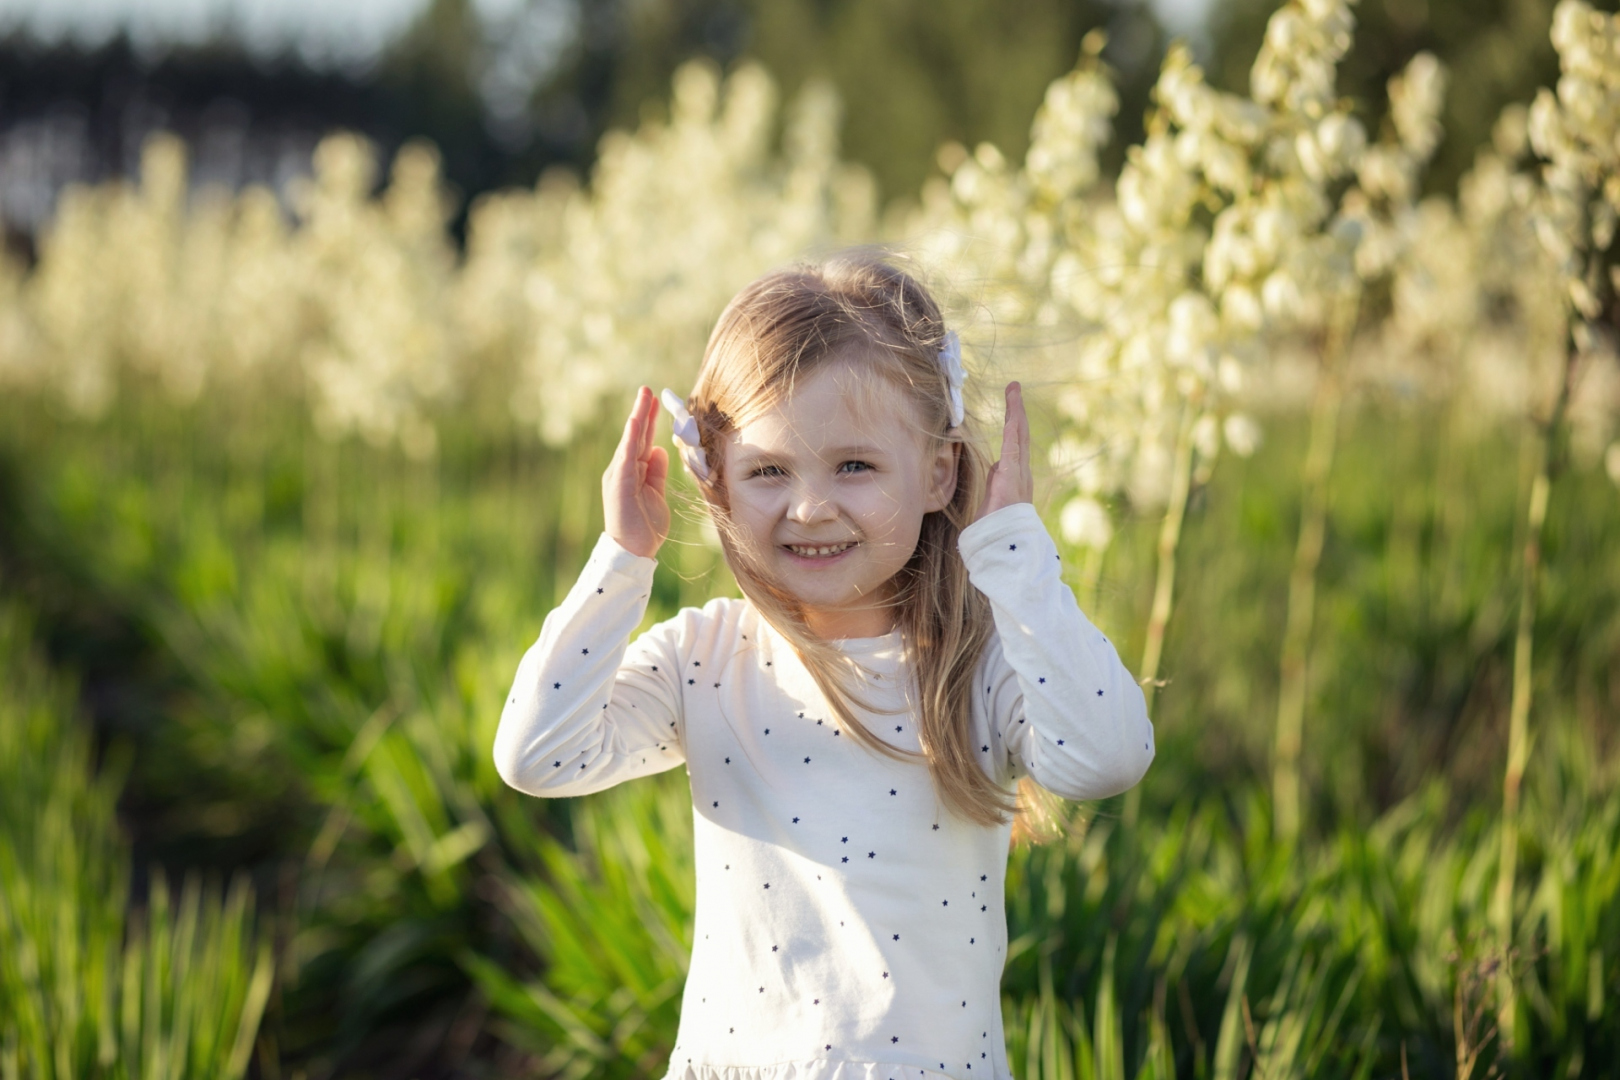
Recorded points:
(857, 307)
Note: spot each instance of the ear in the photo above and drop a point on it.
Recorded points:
(942, 476)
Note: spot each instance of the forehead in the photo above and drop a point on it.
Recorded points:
(839, 405)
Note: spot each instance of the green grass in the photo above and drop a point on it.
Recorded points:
(95, 981)
(302, 650)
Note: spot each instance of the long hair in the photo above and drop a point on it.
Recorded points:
(783, 328)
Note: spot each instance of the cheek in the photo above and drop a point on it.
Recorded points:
(755, 519)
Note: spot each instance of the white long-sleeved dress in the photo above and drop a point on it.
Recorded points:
(848, 926)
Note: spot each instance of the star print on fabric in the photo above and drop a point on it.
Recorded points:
(585, 652)
(691, 682)
(891, 791)
(556, 686)
(960, 850)
(599, 592)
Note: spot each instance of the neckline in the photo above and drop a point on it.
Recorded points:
(867, 644)
(884, 644)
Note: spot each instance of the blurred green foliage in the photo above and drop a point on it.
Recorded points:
(305, 647)
(94, 981)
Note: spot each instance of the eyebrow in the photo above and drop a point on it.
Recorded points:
(752, 456)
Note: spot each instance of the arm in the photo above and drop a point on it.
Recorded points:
(1062, 706)
(1067, 710)
(584, 713)
(588, 709)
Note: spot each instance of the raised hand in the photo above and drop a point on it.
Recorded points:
(633, 506)
(1010, 480)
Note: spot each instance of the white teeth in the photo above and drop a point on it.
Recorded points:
(818, 551)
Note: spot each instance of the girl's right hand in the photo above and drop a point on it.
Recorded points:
(633, 506)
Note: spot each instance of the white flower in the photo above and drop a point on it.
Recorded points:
(1086, 524)
(1242, 434)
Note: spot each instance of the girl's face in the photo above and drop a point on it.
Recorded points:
(829, 489)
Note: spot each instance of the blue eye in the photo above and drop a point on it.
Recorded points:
(864, 467)
(765, 470)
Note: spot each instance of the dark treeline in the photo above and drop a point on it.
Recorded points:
(913, 74)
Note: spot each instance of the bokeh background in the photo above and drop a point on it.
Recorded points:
(317, 323)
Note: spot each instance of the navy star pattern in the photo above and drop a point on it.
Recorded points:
(716, 717)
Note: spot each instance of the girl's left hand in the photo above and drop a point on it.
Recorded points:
(1010, 480)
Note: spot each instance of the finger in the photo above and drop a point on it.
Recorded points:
(1009, 426)
(646, 414)
(1023, 427)
(627, 442)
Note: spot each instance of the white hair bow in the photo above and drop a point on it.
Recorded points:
(686, 439)
(950, 358)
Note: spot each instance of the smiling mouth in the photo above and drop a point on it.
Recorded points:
(822, 552)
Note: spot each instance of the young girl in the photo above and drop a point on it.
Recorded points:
(855, 728)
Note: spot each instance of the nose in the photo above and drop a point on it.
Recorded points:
(810, 503)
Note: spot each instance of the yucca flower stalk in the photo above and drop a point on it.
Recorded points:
(1381, 206)
(1574, 210)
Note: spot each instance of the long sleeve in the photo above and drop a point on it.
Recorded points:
(588, 708)
(1066, 709)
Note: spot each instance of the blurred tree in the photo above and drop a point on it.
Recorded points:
(912, 73)
(1496, 51)
(504, 96)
